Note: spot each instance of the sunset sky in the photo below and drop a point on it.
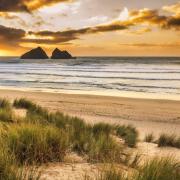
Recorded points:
(91, 27)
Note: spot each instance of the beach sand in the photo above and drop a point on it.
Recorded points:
(156, 116)
(147, 115)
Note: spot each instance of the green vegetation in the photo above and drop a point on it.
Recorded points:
(149, 138)
(155, 169)
(5, 104)
(111, 173)
(24, 103)
(102, 128)
(36, 144)
(10, 171)
(159, 169)
(128, 133)
(6, 115)
(168, 140)
(43, 137)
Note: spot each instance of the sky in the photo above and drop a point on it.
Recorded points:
(91, 27)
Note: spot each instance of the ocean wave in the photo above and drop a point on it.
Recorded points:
(90, 77)
(89, 84)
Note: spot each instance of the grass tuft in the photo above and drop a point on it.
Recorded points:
(111, 173)
(128, 133)
(149, 138)
(154, 169)
(36, 144)
(159, 169)
(4, 104)
(104, 149)
(6, 115)
(24, 104)
(102, 128)
(10, 171)
(169, 140)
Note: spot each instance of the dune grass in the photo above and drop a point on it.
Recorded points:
(5, 104)
(102, 128)
(168, 140)
(43, 137)
(36, 143)
(105, 149)
(10, 171)
(6, 115)
(159, 169)
(24, 104)
(156, 169)
(111, 173)
(149, 138)
(46, 137)
(128, 133)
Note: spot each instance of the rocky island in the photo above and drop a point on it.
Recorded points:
(58, 54)
(37, 53)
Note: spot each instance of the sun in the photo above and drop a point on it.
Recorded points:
(3, 53)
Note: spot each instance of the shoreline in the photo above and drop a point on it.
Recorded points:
(147, 115)
(95, 93)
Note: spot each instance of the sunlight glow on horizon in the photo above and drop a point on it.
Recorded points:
(91, 27)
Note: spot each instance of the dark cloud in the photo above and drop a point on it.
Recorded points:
(13, 5)
(69, 35)
(11, 34)
(25, 5)
(173, 22)
(10, 38)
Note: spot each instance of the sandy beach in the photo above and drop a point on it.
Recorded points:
(147, 115)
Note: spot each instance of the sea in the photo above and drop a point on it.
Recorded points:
(135, 77)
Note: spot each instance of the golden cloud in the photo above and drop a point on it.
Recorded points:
(26, 5)
(153, 17)
(143, 17)
(175, 8)
(69, 35)
(152, 45)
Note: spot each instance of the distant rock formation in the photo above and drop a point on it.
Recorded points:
(58, 54)
(37, 53)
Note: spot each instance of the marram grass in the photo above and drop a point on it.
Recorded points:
(168, 140)
(165, 168)
(43, 137)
